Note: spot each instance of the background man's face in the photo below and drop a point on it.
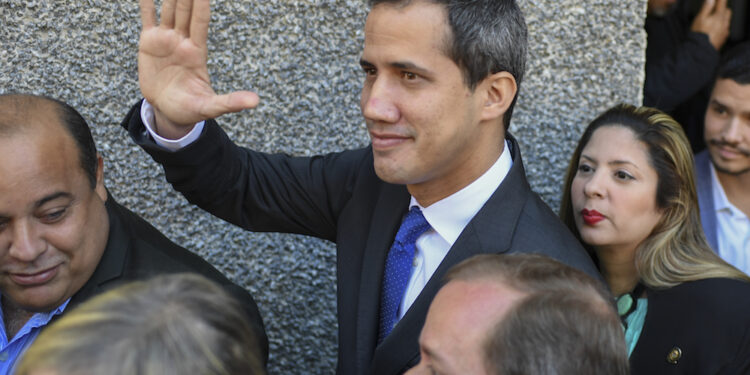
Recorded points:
(422, 118)
(727, 127)
(457, 324)
(53, 225)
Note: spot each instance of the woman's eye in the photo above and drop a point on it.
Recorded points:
(623, 175)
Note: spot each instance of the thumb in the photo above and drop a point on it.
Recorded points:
(232, 102)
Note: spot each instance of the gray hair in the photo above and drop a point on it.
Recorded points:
(170, 325)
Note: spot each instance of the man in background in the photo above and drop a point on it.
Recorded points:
(723, 170)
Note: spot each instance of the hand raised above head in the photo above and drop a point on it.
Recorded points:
(172, 70)
(714, 20)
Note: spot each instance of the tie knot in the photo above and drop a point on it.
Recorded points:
(413, 225)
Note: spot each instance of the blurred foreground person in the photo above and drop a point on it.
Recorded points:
(521, 314)
(630, 198)
(173, 324)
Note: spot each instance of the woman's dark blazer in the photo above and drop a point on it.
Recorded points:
(706, 321)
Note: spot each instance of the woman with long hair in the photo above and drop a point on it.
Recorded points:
(630, 199)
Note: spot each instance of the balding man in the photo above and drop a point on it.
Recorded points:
(63, 238)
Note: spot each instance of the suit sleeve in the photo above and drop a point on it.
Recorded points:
(256, 191)
(675, 77)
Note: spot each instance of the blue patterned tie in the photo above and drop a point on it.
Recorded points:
(398, 267)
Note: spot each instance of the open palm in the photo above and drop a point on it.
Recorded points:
(172, 70)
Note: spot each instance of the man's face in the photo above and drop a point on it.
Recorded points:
(53, 225)
(727, 127)
(457, 325)
(423, 120)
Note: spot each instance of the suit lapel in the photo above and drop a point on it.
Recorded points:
(392, 203)
(490, 231)
(704, 185)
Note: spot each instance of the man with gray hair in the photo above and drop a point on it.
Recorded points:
(521, 314)
(441, 181)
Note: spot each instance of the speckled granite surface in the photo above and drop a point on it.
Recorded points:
(302, 58)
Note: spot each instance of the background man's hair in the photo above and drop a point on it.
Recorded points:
(735, 64)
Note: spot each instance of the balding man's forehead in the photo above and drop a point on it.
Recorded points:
(19, 112)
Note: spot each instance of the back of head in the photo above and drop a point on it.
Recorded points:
(561, 333)
(28, 113)
(676, 250)
(171, 324)
(735, 64)
(487, 37)
(528, 273)
(565, 325)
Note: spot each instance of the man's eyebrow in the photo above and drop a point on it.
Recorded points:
(403, 65)
(51, 197)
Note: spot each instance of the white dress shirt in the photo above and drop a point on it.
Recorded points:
(448, 218)
(733, 228)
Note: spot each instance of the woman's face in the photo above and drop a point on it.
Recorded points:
(614, 191)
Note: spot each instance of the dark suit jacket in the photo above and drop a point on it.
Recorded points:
(709, 320)
(338, 197)
(704, 187)
(138, 251)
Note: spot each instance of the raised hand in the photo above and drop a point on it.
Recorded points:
(172, 70)
(713, 20)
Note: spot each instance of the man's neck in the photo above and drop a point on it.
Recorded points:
(736, 189)
(14, 318)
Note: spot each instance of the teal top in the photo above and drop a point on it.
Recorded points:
(634, 324)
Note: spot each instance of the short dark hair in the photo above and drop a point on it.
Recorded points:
(487, 37)
(15, 107)
(735, 64)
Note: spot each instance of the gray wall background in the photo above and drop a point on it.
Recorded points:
(301, 56)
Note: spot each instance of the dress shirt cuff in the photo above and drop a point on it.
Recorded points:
(147, 116)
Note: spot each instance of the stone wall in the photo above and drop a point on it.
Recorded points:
(301, 56)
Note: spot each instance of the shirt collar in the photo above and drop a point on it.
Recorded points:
(449, 216)
(721, 202)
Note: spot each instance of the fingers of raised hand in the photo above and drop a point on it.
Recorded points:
(148, 13)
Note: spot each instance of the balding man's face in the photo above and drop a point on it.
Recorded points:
(457, 324)
(53, 225)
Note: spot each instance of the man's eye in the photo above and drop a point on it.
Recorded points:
(409, 76)
(54, 216)
(369, 71)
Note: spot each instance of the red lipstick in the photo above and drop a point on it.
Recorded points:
(591, 217)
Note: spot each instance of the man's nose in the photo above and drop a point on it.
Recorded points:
(26, 244)
(377, 102)
(732, 133)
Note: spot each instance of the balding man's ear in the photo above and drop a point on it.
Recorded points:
(500, 89)
(101, 191)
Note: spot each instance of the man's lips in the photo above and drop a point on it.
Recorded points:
(36, 278)
(591, 217)
(728, 151)
(386, 140)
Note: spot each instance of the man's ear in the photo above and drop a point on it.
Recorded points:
(101, 191)
(500, 89)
